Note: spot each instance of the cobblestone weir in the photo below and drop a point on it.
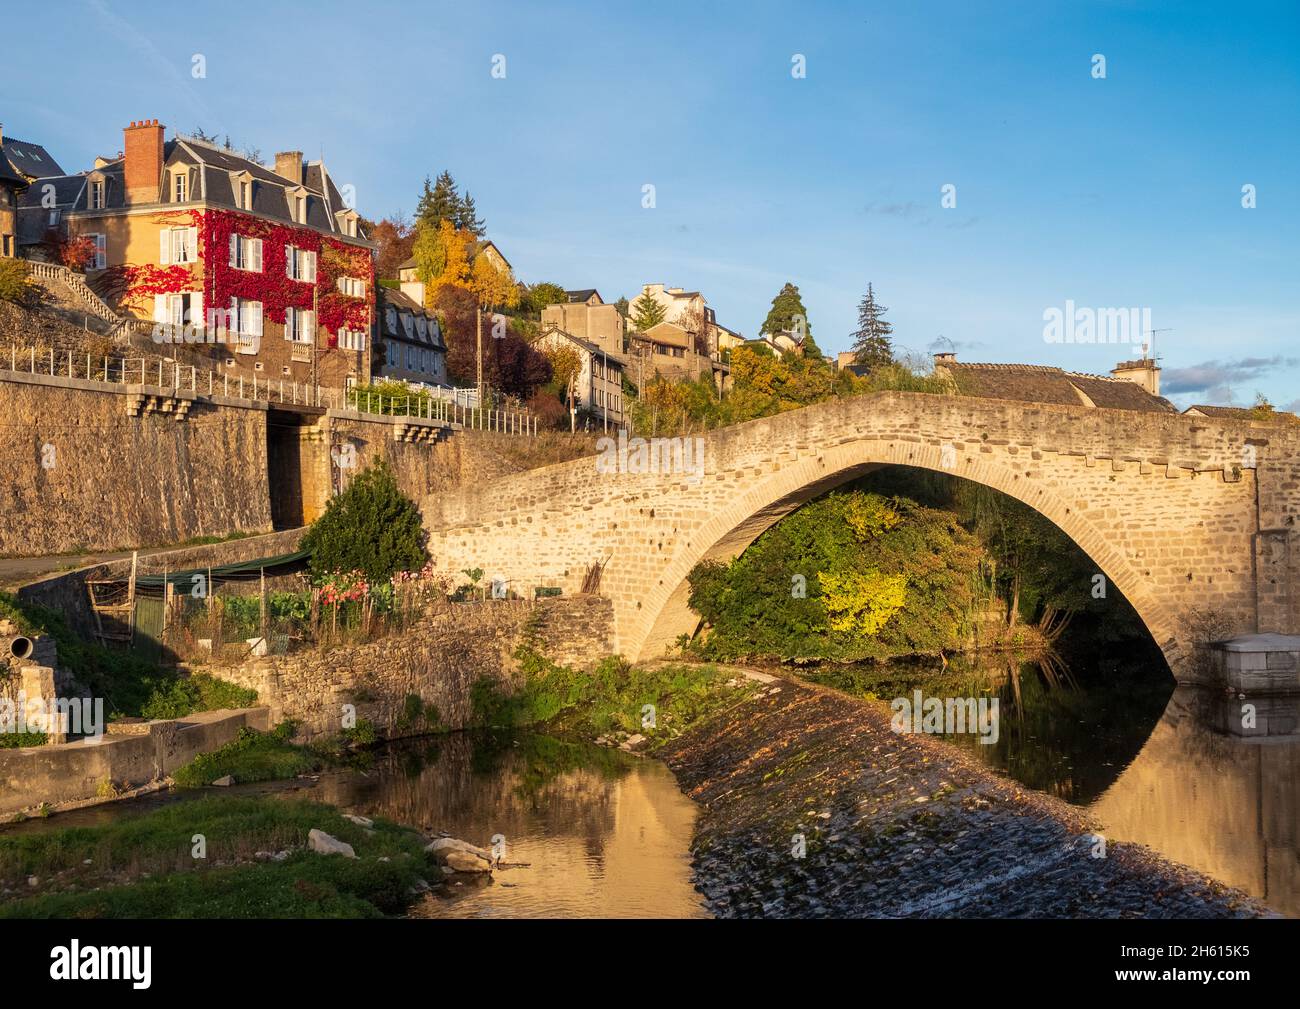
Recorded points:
(899, 826)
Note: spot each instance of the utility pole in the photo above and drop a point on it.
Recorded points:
(478, 348)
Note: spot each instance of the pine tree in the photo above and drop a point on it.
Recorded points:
(788, 315)
(467, 217)
(439, 202)
(646, 313)
(871, 345)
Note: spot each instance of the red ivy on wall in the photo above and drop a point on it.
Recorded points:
(272, 286)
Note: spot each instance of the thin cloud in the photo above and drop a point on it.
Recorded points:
(1217, 378)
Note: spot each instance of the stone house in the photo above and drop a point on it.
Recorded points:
(409, 342)
(670, 351)
(598, 387)
(586, 316)
(21, 164)
(691, 311)
(266, 271)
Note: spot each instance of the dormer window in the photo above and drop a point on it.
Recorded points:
(390, 319)
(97, 195)
(180, 187)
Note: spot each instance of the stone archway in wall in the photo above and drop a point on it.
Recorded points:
(663, 614)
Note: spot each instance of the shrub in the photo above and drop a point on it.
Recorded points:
(371, 527)
(15, 284)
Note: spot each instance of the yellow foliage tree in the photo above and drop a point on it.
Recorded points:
(494, 287)
(861, 602)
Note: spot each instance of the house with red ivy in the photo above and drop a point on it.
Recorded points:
(267, 272)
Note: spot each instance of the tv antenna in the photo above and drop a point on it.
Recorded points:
(1150, 344)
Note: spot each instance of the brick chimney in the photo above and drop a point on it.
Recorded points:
(1145, 373)
(288, 165)
(142, 147)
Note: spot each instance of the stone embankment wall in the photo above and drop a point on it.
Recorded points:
(438, 660)
(93, 466)
(129, 756)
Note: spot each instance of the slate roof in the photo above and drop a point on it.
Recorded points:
(577, 297)
(1244, 413)
(1034, 383)
(28, 159)
(33, 218)
(210, 180)
(390, 298)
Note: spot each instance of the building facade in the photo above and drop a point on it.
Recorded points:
(265, 271)
(598, 387)
(408, 340)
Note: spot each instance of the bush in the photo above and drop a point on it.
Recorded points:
(371, 527)
(250, 756)
(15, 284)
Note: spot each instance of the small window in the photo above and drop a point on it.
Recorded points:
(181, 182)
(245, 191)
(97, 196)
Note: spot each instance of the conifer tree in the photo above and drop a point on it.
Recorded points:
(871, 344)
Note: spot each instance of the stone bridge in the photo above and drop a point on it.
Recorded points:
(1180, 513)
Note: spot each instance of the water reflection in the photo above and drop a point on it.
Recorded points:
(1226, 805)
(604, 834)
(1170, 768)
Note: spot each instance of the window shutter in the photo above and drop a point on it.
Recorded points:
(256, 306)
(288, 323)
(234, 250)
(192, 244)
(165, 246)
(196, 310)
(101, 251)
(257, 255)
(160, 308)
(308, 327)
(289, 254)
(311, 267)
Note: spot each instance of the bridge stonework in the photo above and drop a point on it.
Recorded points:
(1180, 513)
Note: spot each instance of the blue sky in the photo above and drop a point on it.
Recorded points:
(1117, 192)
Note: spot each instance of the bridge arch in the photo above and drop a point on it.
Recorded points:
(664, 614)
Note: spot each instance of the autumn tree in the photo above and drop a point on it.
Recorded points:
(495, 287)
(442, 256)
(871, 344)
(395, 236)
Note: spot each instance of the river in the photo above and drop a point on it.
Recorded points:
(1163, 766)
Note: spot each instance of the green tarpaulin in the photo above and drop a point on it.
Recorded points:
(243, 571)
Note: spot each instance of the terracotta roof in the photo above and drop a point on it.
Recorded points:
(1034, 383)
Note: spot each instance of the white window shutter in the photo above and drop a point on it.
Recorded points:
(257, 317)
(101, 251)
(192, 244)
(196, 310)
(290, 253)
(160, 308)
(257, 255)
(343, 284)
(308, 327)
(165, 246)
(311, 267)
(234, 249)
(288, 323)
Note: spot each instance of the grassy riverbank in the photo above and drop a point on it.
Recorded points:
(146, 866)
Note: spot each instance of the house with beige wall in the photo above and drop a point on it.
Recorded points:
(265, 270)
(598, 387)
(589, 319)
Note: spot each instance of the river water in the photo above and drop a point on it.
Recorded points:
(1160, 765)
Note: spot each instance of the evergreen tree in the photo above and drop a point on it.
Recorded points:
(871, 344)
(467, 218)
(439, 202)
(788, 315)
(646, 312)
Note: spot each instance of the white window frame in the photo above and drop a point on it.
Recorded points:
(300, 325)
(180, 187)
(101, 250)
(246, 253)
(97, 195)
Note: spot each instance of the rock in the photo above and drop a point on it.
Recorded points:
(324, 844)
(33, 880)
(460, 856)
(263, 856)
(360, 821)
(225, 781)
(633, 742)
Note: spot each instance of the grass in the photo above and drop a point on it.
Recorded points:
(250, 756)
(225, 884)
(612, 697)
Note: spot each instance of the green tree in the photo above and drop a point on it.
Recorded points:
(371, 527)
(622, 308)
(788, 315)
(545, 293)
(646, 312)
(467, 216)
(871, 344)
(439, 202)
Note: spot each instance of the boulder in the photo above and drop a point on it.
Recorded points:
(460, 856)
(360, 821)
(324, 844)
(225, 781)
(633, 742)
